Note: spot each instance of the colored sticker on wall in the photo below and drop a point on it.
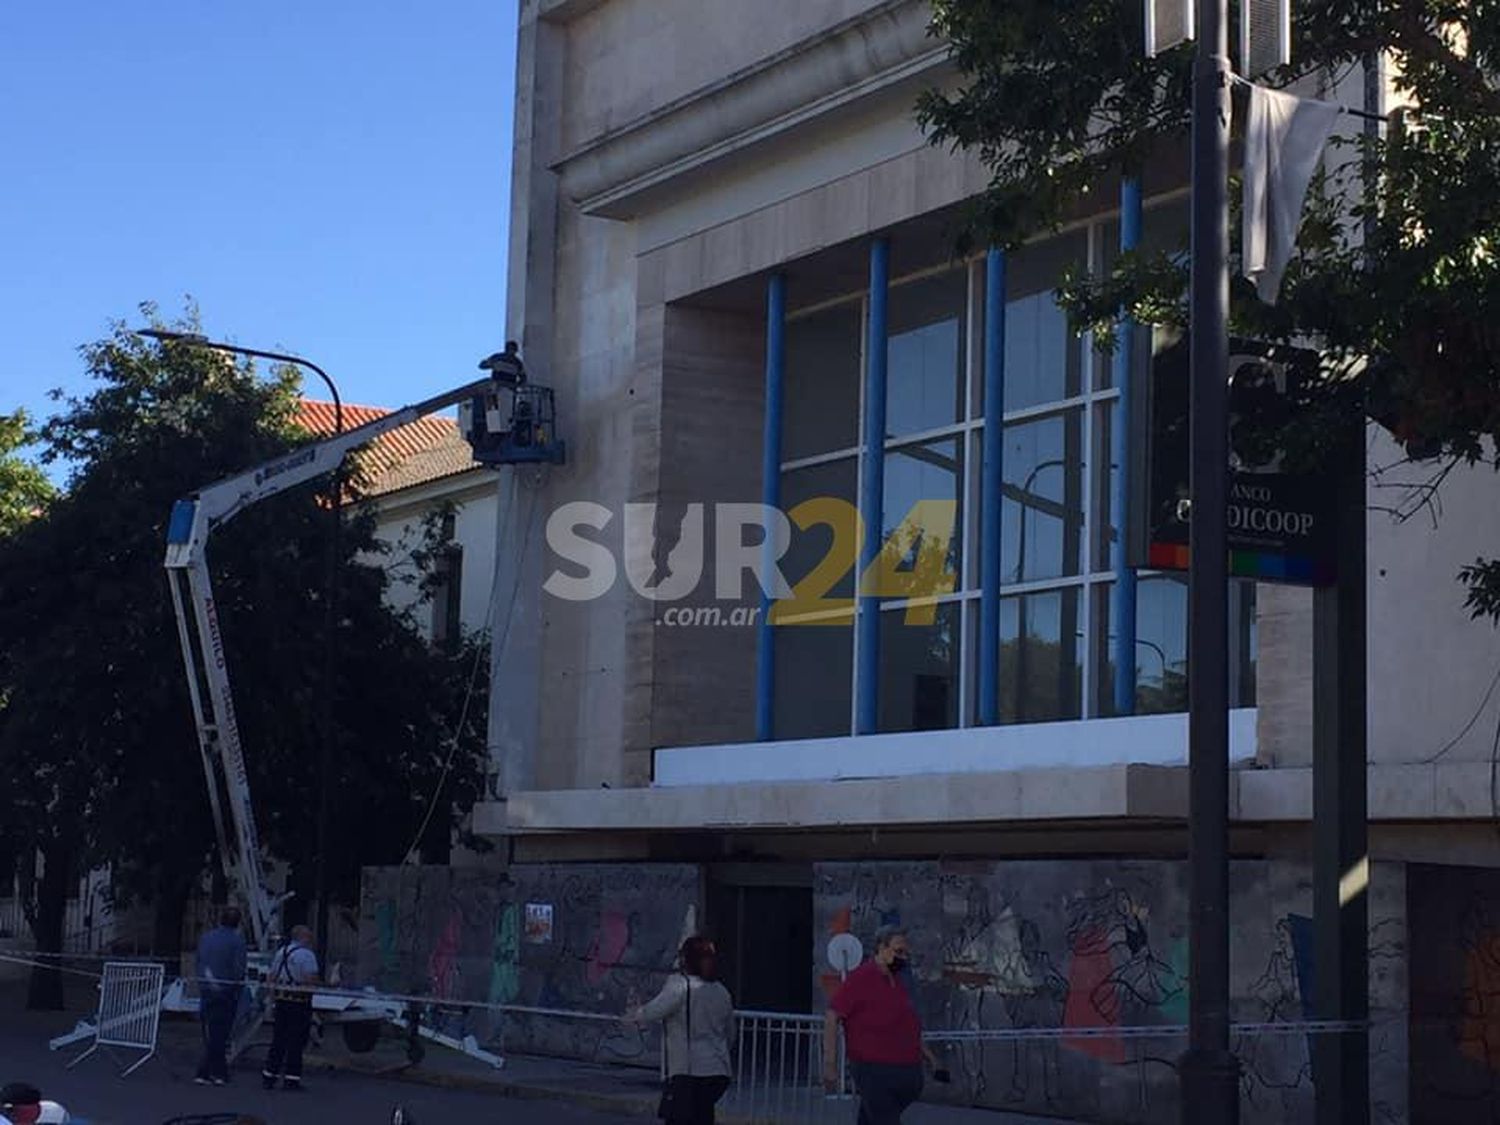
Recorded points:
(442, 966)
(608, 946)
(505, 977)
(1091, 1002)
(842, 921)
(1174, 1009)
(385, 930)
(538, 923)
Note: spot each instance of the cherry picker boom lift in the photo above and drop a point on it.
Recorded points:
(526, 434)
(193, 520)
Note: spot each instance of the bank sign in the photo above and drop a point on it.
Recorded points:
(1280, 523)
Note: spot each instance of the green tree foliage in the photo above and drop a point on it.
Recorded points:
(97, 750)
(24, 488)
(1398, 276)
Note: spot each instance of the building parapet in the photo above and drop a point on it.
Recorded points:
(886, 46)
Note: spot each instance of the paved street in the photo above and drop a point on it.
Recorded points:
(163, 1089)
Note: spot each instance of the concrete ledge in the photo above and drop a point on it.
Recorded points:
(1440, 791)
(1396, 791)
(1153, 740)
(1101, 792)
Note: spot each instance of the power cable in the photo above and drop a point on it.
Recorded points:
(1467, 727)
(497, 650)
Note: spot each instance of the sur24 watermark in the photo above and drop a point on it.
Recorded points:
(667, 561)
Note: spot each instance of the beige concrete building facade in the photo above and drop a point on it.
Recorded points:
(672, 157)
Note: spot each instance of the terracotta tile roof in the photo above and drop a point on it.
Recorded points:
(428, 449)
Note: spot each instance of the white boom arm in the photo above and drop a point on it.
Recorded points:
(194, 519)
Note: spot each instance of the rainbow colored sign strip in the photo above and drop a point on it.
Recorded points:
(1264, 565)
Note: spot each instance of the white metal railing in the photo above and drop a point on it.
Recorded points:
(778, 1071)
(777, 1057)
(12, 920)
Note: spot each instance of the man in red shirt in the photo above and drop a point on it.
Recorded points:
(882, 1033)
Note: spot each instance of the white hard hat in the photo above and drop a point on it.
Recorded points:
(53, 1114)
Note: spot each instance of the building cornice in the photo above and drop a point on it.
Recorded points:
(1422, 793)
(566, 11)
(476, 483)
(884, 47)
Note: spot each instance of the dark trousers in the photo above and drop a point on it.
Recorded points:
(885, 1091)
(698, 1096)
(216, 1009)
(291, 1024)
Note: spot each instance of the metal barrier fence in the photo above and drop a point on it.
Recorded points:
(777, 1058)
(778, 1072)
(12, 919)
(129, 1010)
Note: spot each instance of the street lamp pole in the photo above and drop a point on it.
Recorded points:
(1209, 1071)
(330, 599)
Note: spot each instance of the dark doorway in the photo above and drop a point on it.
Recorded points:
(765, 933)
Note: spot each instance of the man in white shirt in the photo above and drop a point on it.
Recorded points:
(294, 970)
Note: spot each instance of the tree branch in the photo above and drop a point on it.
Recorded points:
(1426, 45)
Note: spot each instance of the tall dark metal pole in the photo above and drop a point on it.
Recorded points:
(1210, 1072)
(331, 591)
(1341, 866)
(330, 644)
(330, 604)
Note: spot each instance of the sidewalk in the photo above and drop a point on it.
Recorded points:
(625, 1090)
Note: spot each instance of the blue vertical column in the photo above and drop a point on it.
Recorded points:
(872, 496)
(770, 496)
(991, 484)
(1122, 598)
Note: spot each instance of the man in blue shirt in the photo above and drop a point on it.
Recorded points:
(221, 977)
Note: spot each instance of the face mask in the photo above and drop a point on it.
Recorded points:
(899, 963)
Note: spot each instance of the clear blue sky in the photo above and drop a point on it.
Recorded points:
(325, 176)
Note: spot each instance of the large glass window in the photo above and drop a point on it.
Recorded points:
(820, 499)
(1041, 656)
(919, 663)
(926, 335)
(814, 640)
(814, 678)
(1040, 360)
(1043, 360)
(1161, 643)
(823, 357)
(1161, 648)
(924, 505)
(1057, 527)
(1041, 531)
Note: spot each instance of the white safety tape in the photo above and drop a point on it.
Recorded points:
(1145, 1031)
(396, 1000)
(367, 996)
(35, 964)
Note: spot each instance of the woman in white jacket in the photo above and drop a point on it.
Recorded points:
(698, 1018)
